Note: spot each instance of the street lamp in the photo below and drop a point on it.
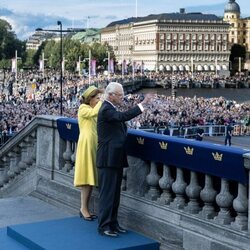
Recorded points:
(59, 23)
(61, 66)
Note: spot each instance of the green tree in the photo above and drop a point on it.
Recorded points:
(29, 61)
(9, 43)
(72, 50)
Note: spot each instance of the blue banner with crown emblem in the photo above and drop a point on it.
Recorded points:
(68, 129)
(204, 157)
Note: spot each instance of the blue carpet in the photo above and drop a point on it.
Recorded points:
(7, 243)
(75, 233)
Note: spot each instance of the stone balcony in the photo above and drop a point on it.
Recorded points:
(181, 207)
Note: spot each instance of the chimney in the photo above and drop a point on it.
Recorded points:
(182, 10)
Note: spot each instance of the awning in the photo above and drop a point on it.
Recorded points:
(206, 68)
(218, 67)
(181, 68)
(161, 67)
(168, 68)
(224, 67)
(175, 68)
(199, 68)
(212, 67)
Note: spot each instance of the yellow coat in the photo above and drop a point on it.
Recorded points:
(85, 165)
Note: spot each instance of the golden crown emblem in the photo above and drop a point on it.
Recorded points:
(189, 151)
(140, 140)
(217, 156)
(163, 145)
(68, 125)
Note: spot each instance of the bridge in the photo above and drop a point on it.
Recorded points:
(182, 193)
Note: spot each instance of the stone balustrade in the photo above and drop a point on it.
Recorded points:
(178, 206)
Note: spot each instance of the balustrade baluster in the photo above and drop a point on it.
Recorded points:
(193, 193)
(224, 200)
(29, 151)
(1, 173)
(67, 157)
(178, 188)
(73, 158)
(153, 182)
(11, 172)
(165, 184)
(33, 155)
(240, 205)
(17, 154)
(22, 163)
(208, 195)
(6, 163)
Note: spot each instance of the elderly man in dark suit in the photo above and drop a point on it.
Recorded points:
(111, 156)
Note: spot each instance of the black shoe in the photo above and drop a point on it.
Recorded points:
(108, 233)
(119, 229)
(89, 218)
(93, 216)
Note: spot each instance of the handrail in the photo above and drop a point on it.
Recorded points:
(209, 130)
(217, 160)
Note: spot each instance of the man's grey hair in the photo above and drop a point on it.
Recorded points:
(111, 88)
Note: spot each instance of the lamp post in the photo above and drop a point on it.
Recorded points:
(109, 64)
(59, 23)
(61, 67)
(239, 64)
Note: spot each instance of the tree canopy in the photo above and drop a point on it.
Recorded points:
(9, 44)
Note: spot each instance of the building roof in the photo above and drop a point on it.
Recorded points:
(232, 7)
(88, 35)
(169, 16)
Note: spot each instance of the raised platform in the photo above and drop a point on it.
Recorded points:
(7, 243)
(75, 233)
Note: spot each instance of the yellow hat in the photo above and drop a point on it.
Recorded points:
(88, 91)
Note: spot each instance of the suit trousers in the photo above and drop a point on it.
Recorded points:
(109, 182)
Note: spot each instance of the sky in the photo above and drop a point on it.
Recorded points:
(27, 15)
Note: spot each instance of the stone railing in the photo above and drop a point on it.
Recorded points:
(182, 207)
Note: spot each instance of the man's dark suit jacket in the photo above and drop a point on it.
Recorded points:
(112, 132)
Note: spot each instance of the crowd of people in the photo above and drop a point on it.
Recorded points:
(104, 119)
(33, 94)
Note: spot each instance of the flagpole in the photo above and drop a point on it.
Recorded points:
(122, 67)
(16, 63)
(216, 62)
(89, 67)
(109, 65)
(79, 62)
(43, 63)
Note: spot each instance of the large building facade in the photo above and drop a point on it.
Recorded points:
(172, 42)
(239, 32)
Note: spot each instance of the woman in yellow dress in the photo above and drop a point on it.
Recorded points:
(85, 165)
